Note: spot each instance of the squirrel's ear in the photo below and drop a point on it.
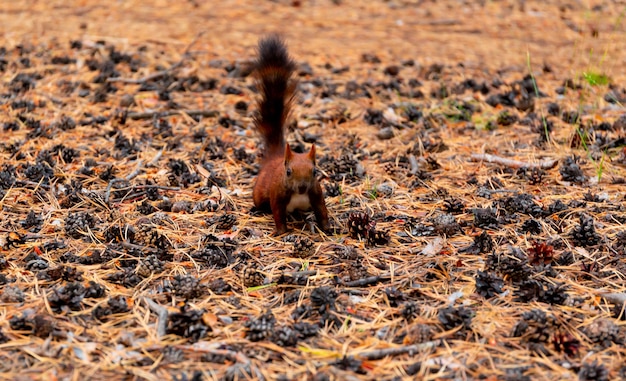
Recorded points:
(288, 154)
(312, 154)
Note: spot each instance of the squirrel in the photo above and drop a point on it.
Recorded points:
(287, 180)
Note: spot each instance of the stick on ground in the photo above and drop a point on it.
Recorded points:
(546, 164)
(162, 315)
(410, 349)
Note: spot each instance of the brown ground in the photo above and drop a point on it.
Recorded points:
(114, 220)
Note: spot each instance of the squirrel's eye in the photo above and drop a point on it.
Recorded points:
(315, 171)
(288, 171)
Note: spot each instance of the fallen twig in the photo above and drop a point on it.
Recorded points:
(367, 281)
(136, 172)
(162, 315)
(27, 184)
(410, 349)
(107, 194)
(130, 197)
(546, 164)
(153, 186)
(294, 277)
(132, 246)
(164, 114)
(156, 158)
(615, 297)
(415, 167)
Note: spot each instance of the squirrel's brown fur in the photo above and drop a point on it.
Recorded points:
(287, 180)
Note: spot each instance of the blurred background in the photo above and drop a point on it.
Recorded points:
(566, 35)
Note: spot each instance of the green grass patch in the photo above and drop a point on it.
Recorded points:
(596, 79)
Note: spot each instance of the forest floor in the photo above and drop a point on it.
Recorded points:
(472, 156)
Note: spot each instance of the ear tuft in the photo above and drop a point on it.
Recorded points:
(288, 154)
(312, 154)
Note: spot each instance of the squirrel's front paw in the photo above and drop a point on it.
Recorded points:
(280, 231)
(326, 228)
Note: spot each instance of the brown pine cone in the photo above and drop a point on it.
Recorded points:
(252, 277)
(535, 326)
(358, 224)
(303, 247)
(150, 265)
(187, 286)
(603, 332)
(357, 271)
(377, 237)
(225, 221)
(418, 333)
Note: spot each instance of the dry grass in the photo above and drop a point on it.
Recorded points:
(129, 249)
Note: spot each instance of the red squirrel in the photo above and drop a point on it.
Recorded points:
(287, 180)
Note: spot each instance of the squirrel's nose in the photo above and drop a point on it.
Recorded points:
(302, 189)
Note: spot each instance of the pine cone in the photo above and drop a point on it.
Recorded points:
(535, 177)
(148, 235)
(540, 253)
(514, 266)
(535, 327)
(453, 205)
(603, 332)
(347, 253)
(323, 298)
(285, 336)
(452, 317)
(186, 286)
(150, 265)
(358, 224)
(303, 247)
(410, 310)
(585, 233)
(377, 237)
(306, 329)
(77, 224)
(143, 234)
(225, 221)
(252, 277)
(357, 270)
(565, 342)
(261, 327)
(392, 169)
(333, 189)
(417, 333)
(488, 285)
(593, 371)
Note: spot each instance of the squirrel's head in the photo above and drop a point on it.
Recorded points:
(300, 170)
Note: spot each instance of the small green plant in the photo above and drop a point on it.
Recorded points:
(457, 112)
(600, 166)
(484, 121)
(372, 191)
(584, 138)
(583, 134)
(491, 125)
(261, 287)
(596, 79)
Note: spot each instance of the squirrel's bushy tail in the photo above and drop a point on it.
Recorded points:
(274, 70)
